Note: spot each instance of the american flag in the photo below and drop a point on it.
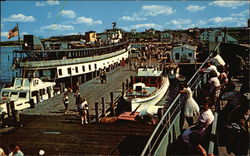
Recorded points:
(13, 32)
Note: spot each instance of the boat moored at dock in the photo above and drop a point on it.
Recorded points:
(148, 88)
(25, 92)
(73, 61)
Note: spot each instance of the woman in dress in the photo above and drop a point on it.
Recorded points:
(191, 108)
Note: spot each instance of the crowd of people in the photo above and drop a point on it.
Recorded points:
(233, 117)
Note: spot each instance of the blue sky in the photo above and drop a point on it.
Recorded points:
(52, 18)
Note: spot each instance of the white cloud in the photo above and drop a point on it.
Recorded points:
(241, 14)
(19, 18)
(154, 10)
(47, 3)
(49, 14)
(4, 34)
(180, 21)
(68, 13)
(229, 4)
(58, 27)
(53, 2)
(87, 20)
(145, 26)
(132, 18)
(40, 4)
(194, 8)
(221, 19)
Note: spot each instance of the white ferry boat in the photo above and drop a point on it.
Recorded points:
(25, 92)
(148, 88)
(72, 62)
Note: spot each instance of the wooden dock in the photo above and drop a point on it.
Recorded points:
(45, 127)
(63, 135)
(93, 90)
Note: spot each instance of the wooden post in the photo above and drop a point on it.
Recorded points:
(38, 97)
(95, 73)
(61, 88)
(126, 84)
(84, 78)
(88, 116)
(96, 112)
(79, 80)
(8, 108)
(103, 107)
(112, 104)
(131, 80)
(123, 88)
(12, 107)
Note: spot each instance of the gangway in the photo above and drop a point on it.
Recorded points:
(168, 129)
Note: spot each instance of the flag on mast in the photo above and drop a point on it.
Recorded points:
(13, 32)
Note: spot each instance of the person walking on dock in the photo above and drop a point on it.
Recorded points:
(83, 110)
(78, 99)
(66, 102)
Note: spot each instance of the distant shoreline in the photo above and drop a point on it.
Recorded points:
(9, 45)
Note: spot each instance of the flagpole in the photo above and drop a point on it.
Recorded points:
(19, 36)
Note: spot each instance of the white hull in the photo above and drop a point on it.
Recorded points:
(148, 104)
(23, 91)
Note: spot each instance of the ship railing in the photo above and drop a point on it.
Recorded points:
(47, 63)
(174, 110)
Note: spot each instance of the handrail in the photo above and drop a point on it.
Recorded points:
(158, 128)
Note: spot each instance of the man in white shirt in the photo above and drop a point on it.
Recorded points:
(211, 67)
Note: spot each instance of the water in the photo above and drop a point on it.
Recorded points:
(6, 57)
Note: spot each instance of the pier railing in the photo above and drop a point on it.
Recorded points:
(170, 117)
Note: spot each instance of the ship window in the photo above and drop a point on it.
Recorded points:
(95, 66)
(60, 71)
(34, 93)
(83, 68)
(5, 94)
(90, 67)
(177, 56)
(13, 93)
(189, 54)
(22, 95)
(69, 71)
(42, 91)
(76, 68)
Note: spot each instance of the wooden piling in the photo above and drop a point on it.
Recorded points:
(103, 107)
(84, 78)
(123, 88)
(88, 116)
(8, 108)
(38, 97)
(96, 112)
(112, 107)
(127, 85)
(12, 107)
(61, 88)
